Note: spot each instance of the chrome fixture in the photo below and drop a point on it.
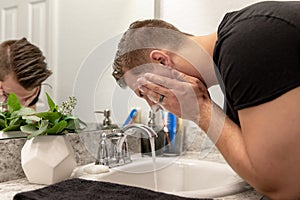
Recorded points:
(106, 120)
(113, 147)
(136, 129)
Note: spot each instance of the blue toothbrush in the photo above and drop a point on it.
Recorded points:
(131, 117)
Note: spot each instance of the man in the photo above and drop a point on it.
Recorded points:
(22, 71)
(257, 58)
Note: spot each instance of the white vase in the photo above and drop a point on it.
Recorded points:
(47, 159)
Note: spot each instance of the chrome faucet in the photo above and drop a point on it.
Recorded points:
(145, 131)
(113, 147)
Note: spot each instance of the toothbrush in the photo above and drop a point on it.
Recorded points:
(131, 117)
(172, 127)
(165, 128)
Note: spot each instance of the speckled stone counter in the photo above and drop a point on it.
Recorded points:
(10, 156)
(10, 162)
(196, 146)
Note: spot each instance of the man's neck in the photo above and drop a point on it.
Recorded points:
(207, 42)
(206, 68)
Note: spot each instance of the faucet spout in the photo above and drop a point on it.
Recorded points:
(145, 131)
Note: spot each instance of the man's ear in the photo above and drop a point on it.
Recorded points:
(161, 57)
(30, 100)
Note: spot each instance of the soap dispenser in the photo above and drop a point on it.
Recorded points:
(106, 124)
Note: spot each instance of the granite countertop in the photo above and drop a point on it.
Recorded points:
(10, 188)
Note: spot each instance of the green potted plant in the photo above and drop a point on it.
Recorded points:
(58, 120)
(47, 156)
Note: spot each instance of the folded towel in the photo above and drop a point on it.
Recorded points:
(81, 189)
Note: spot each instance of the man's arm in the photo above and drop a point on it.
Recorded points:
(265, 151)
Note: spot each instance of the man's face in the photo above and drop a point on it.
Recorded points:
(10, 85)
(174, 62)
(131, 76)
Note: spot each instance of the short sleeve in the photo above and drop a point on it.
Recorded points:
(258, 59)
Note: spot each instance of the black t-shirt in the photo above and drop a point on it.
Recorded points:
(258, 54)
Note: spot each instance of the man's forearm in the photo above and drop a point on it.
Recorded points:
(229, 140)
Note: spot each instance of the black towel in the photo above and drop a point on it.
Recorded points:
(81, 189)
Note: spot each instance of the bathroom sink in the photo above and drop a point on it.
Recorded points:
(183, 177)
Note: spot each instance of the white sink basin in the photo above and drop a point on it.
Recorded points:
(183, 177)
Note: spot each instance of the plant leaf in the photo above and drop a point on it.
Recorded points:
(51, 116)
(13, 127)
(24, 111)
(2, 115)
(57, 128)
(2, 124)
(51, 103)
(16, 121)
(28, 128)
(13, 103)
(33, 131)
(73, 124)
(31, 118)
(67, 117)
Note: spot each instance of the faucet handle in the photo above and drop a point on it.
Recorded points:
(102, 155)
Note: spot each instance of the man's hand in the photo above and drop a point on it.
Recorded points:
(183, 95)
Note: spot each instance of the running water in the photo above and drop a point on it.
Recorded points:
(154, 162)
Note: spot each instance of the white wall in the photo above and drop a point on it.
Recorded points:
(79, 27)
(198, 16)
